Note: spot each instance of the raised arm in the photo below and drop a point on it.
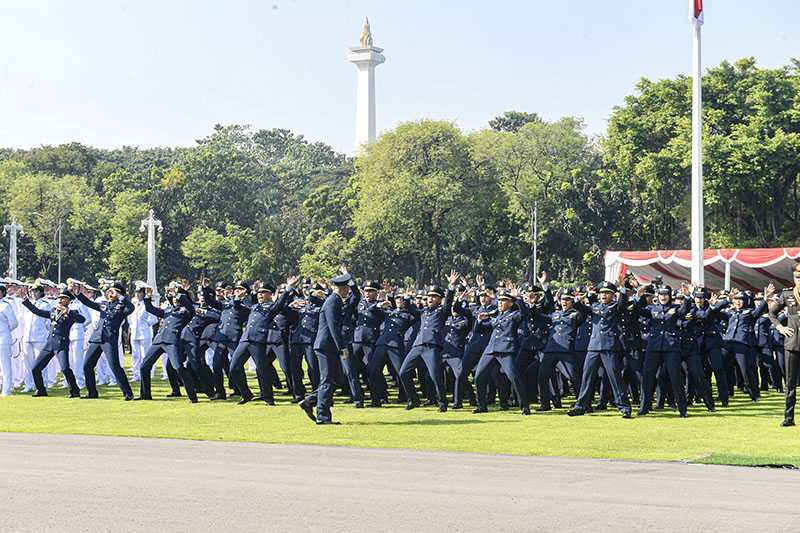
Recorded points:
(35, 310)
(152, 309)
(89, 303)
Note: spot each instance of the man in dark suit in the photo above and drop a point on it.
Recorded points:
(105, 338)
(329, 346)
(61, 320)
(233, 315)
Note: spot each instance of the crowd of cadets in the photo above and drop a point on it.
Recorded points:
(468, 342)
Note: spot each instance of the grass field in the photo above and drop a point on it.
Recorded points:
(745, 433)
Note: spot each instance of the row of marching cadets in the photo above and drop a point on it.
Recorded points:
(472, 342)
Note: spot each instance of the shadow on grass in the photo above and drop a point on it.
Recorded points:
(428, 422)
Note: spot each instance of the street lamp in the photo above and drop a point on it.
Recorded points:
(533, 210)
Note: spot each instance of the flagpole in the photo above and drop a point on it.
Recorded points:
(697, 161)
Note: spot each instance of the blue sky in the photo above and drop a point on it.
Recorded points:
(146, 73)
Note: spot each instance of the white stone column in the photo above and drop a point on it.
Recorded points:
(365, 57)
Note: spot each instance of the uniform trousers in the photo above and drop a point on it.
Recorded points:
(322, 397)
(176, 359)
(569, 362)
(7, 369)
(505, 361)
(792, 363)
(377, 383)
(62, 354)
(612, 363)
(432, 357)
(671, 361)
(110, 351)
(243, 352)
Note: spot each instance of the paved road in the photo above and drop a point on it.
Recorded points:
(78, 483)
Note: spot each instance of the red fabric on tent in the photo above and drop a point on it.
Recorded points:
(748, 268)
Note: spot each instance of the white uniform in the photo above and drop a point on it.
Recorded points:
(77, 342)
(34, 336)
(141, 325)
(18, 369)
(8, 323)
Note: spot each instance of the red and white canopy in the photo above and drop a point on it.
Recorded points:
(745, 268)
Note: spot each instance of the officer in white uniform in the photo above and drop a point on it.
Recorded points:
(34, 334)
(8, 323)
(78, 338)
(141, 327)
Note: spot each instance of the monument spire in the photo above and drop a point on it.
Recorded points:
(365, 57)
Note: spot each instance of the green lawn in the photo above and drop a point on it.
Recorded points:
(744, 433)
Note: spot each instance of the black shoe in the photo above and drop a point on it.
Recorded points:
(601, 407)
(443, 408)
(297, 399)
(328, 423)
(218, 397)
(174, 394)
(308, 410)
(128, 397)
(724, 403)
(258, 398)
(504, 407)
(589, 409)
(643, 411)
(359, 405)
(140, 398)
(557, 403)
(429, 403)
(244, 400)
(458, 406)
(348, 400)
(626, 414)
(526, 411)
(90, 397)
(193, 399)
(544, 408)
(39, 394)
(684, 415)
(75, 394)
(479, 410)
(576, 411)
(270, 402)
(411, 405)
(787, 422)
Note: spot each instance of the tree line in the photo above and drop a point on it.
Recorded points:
(426, 196)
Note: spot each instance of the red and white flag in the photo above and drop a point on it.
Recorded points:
(696, 11)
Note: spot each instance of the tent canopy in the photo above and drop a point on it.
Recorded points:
(744, 268)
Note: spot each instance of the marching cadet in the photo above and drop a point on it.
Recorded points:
(105, 338)
(254, 340)
(61, 318)
(663, 346)
(278, 343)
(455, 339)
(351, 367)
(233, 316)
(562, 328)
(604, 347)
(77, 338)
(8, 323)
(428, 344)
(302, 337)
(400, 313)
(766, 363)
(776, 342)
(740, 338)
(502, 346)
(478, 338)
(197, 334)
(705, 319)
(789, 300)
(368, 322)
(140, 324)
(329, 347)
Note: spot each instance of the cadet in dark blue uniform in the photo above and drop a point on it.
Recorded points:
(234, 314)
(368, 322)
(663, 346)
(560, 346)
(767, 365)
(168, 341)
(105, 338)
(457, 328)
(604, 346)
(278, 345)
(61, 320)
(428, 344)
(698, 383)
(329, 347)
(478, 337)
(400, 312)
(705, 320)
(502, 346)
(196, 336)
(740, 338)
(253, 342)
(351, 366)
(787, 304)
(301, 339)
